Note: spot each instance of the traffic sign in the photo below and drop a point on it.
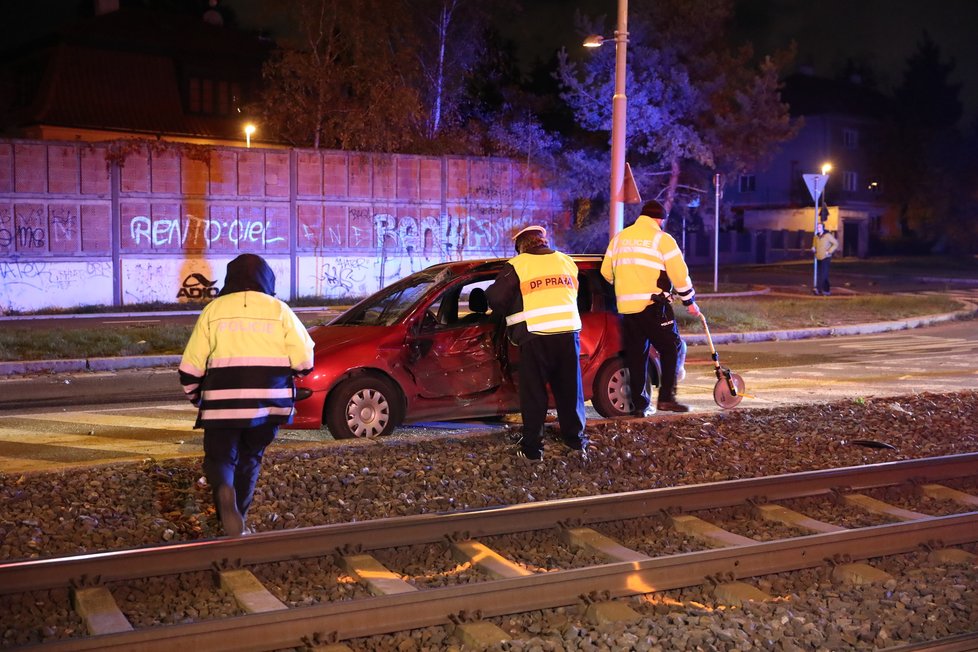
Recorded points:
(816, 184)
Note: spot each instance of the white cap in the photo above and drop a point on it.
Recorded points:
(543, 231)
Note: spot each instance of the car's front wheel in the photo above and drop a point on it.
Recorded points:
(362, 406)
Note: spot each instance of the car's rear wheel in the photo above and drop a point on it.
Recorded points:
(612, 395)
(363, 406)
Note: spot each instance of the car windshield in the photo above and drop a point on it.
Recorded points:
(389, 305)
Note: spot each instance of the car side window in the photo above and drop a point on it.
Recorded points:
(460, 305)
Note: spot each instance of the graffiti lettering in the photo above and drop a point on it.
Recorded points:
(166, 232)
(63, 224)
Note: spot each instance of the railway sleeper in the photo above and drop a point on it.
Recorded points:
(874, 506)
(790, 517)
(250, 594)
(99, 610)
(378, 579)
(487, 559)
(940, 492)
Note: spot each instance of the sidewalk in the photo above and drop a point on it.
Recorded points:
(15, 368)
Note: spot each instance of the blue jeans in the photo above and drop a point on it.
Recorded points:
(233, 456)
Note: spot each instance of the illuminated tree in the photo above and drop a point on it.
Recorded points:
(347, 80)
(694, 101)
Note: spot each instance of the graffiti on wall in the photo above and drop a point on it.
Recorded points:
(197, 232)
(444, 236)
(192, 279)
(25, 232)
(31, 285)
(25, 229)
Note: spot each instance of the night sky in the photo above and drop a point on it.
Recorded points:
(882, 33)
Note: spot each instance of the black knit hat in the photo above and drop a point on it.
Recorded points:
(654, 210)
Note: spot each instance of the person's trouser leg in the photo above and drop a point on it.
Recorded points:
(533, 395)
(251, 449)
(220, 460)
(635, 341)
(823, 275)
(666, 340)
(564, 350)
(220, 457)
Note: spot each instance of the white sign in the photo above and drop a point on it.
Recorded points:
(816, 184)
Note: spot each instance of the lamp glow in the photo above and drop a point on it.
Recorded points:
(249, 129)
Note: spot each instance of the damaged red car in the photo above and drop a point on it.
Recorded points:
(427, 348)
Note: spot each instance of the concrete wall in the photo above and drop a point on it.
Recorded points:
(135, 221)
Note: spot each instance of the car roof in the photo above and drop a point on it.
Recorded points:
(487, 264)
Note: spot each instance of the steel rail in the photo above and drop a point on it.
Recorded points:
(302, 543)
(404, 611)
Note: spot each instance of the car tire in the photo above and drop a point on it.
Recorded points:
(612, 397)
(363, 407)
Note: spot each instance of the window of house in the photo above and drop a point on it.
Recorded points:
(850, 138)
(748, 183)
(849, 180)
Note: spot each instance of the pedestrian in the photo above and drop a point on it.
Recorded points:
(647, 269)
(824, 245)
(537, 291)
(238, 369)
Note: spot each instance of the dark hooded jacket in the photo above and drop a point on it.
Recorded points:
(239, 363)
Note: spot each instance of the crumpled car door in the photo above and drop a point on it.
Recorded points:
(459, 361)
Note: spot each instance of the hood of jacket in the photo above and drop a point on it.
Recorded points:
(249, 272)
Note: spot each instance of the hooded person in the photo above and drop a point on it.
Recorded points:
(647, 269)
(537, 291)
(238, 369)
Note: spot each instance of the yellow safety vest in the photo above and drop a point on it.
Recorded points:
(635, 260)
(548, 284)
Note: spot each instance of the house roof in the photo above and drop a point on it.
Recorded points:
(128, 71)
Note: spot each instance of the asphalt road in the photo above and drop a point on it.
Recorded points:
(59, 420)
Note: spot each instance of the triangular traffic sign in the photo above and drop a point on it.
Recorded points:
(630, 192)
(816, 184)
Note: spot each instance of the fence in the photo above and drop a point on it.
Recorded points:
(129, 222)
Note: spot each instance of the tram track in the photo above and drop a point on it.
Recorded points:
(396, 605)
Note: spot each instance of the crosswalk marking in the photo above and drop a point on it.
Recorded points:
(119, 420)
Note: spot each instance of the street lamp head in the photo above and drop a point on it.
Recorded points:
(826, 168)
(594, 41)
(249, 129)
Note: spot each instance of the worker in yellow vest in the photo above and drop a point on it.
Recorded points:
(647, 269)
(537, 291)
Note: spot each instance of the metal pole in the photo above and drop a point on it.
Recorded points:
(618, 107)
(716, 233)
(814, 232)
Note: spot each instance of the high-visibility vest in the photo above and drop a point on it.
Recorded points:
(548, 283)
(636, 260)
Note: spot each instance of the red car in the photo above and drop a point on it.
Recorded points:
(425, 348)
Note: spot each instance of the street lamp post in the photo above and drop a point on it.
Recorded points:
(816, 185)
(618, 122)
(619, 105)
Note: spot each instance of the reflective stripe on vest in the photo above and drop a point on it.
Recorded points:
(548, 284)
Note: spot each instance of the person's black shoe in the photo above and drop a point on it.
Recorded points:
(227, 509)
(643, 414)
(520, 453)
(671, 406)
